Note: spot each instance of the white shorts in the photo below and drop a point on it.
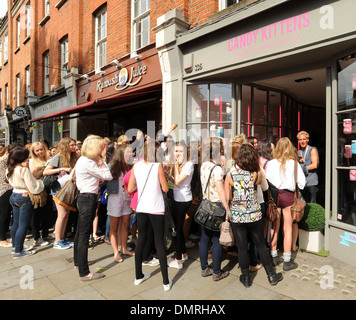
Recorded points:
(117, 207)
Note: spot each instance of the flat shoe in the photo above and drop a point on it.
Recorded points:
(145, 277)
(9, 245)
(175, 264)
(93, 277)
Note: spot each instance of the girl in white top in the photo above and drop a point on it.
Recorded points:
(148, 178)
(280, 172)
(38, 162)
(182, 194)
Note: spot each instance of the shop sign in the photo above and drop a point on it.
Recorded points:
(123, 79)
(21, 112)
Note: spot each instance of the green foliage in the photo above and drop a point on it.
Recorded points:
(314, 218)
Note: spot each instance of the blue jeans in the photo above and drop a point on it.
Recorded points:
(207, 236)
(22, 211)
(86, 203)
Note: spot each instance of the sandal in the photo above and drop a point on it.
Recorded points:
(118, 258)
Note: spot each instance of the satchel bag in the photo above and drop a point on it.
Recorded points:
(38, 199)
(209, 214)
(67, 196)
(226, 236)
(298, 206)
(272, 213)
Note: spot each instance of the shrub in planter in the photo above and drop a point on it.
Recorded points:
(314, 218)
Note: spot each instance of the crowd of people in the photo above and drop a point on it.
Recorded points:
(144, 184)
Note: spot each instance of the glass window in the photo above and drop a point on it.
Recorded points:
(46, 3)
(100, 38)
(0, 54)
(18, 89)
(259, 106)
(141, 24)
(46, 72)
(246, 110)
(220, 96)
(64, 59)
(6, 47)
(18, 26)
(346, 133)
(197, 103)
(28, 80)
(223, 4)
(28, 20)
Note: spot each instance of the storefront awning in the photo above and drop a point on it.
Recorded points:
(104, 105)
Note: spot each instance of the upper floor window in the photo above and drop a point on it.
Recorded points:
(141, 24)
(6, 47)
(223, 4)
(64, 59)
(46, 7)
(28, 20)
(28, 80)
(0, 54)
(18, 32)
(18, 89)
(46, 72)
(6, 94)
(100, 38)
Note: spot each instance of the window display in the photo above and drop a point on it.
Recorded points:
(346, 148)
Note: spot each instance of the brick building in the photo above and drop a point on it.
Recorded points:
(55, 53)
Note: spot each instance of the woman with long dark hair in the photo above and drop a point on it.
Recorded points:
(23, 182)
(245, 213)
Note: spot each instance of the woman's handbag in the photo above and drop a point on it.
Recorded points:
(272, 213)
(38, 200)
(298, 206)
(209, 214)
(51, 182)
(226, 236)
(67, 196)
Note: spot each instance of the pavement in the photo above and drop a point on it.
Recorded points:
(50, 275)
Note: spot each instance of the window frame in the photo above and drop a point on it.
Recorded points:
(102, 42)
(18, 89)
(64, 44)
(46, 72)
(135, 21)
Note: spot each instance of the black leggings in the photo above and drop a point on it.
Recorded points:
(255, 230)
(157, 222)
(5, 214)
(178, 214)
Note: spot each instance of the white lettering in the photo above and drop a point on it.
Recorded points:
(327, 21)
(26, 281)
(327, 280)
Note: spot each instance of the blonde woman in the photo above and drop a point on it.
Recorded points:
(38, 162)
(280, 173)
(90, 171)
(62, 164)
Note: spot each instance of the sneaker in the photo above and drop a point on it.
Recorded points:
(189, 244)
(70, 243)
(290, 265)
(61, 245)
(145, 277)
(167, 287)
(276, 261)
(193, 237)
(40, 242)
(185, 258)
(23, 254)
(174, 264)
(207, 272)
(222, 275)
(152, 263)
(25, 248)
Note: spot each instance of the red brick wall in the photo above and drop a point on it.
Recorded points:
(75, 19)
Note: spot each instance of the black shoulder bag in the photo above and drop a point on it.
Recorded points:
(209, 214)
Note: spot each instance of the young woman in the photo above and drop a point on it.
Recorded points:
(148, 178)
(62, 164)
(246, 216)
(38, 162)
(90, 171)
(118, 208)
(182, 200)
(5, 193)
(280, 173)
(22, 181)
(213, 149)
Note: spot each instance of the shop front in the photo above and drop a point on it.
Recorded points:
(269, 70)
(123, 95)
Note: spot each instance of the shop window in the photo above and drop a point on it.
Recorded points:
(100, 38)
(140, 24)
(346, 134)
(209, 111)
(260, 109)
(246, 110)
